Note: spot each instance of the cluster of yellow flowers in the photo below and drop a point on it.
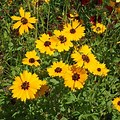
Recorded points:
(28, 85)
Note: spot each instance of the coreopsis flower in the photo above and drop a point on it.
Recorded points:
(46, 44)
(74, 31)
(75, 77)
(62, 43)
(25, 86)
(84, 57)
(31, 59)
(24, 21)
(57, 69)
(116, 103)
(98, 28)
(99, 69)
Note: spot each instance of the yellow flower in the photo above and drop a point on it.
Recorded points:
(24, 21)
(84, 57)
(46, 44)
(99, 69)
(57, 69)
(74, 31)
(25, 86)
(31, 59)
(116, 103)
(75, 77)
(63, 43)
(98, 28)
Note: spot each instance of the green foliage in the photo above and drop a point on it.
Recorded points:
(94, 101)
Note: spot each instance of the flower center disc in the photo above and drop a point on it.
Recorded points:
(62, 39)
(98, 29)
(25, 85)
(118, 103)
(72, 31)
(31, 60)
(76, 77)
(98, 69)
(24, 20)
(85, 58)
(58, 70)
(47, 43)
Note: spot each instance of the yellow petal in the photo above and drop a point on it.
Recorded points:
(17, 25)
(27, 15)
(26, 28)
(21, 12)
(32, 20)
(16, 18)
(21, 30)
(30, 25)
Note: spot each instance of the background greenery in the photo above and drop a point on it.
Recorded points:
(94, 101)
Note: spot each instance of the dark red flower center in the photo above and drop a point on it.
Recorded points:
(118, 103)
(47, 43)
(31, 60)
(85, 58)
(98, 29)
(25, 85)
(24, 20)
(72, 31)
(76, 77)
(62, 39)
(58, 69)
(98, 69)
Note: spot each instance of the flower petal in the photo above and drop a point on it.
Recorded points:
(21, 30)
(16, 18)
(17, 24)
(21, 12)
(26, 28)
(32, 20)
(27, 15)
(30, 25)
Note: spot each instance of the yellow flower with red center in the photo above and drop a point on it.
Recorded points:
(75, 77)
(46, 44)
(31, 59)
(57, 69)
(98, 28)
(84, 57)
(74, 31)
(62, 43)
(116, 103)
(25, 86)
(24, 21)
(99, 69)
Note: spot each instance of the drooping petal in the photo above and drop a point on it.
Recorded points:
(16, 18)
(17, 25)
(22, 29)
(26, 28)
(30, 25)
(22, 13)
